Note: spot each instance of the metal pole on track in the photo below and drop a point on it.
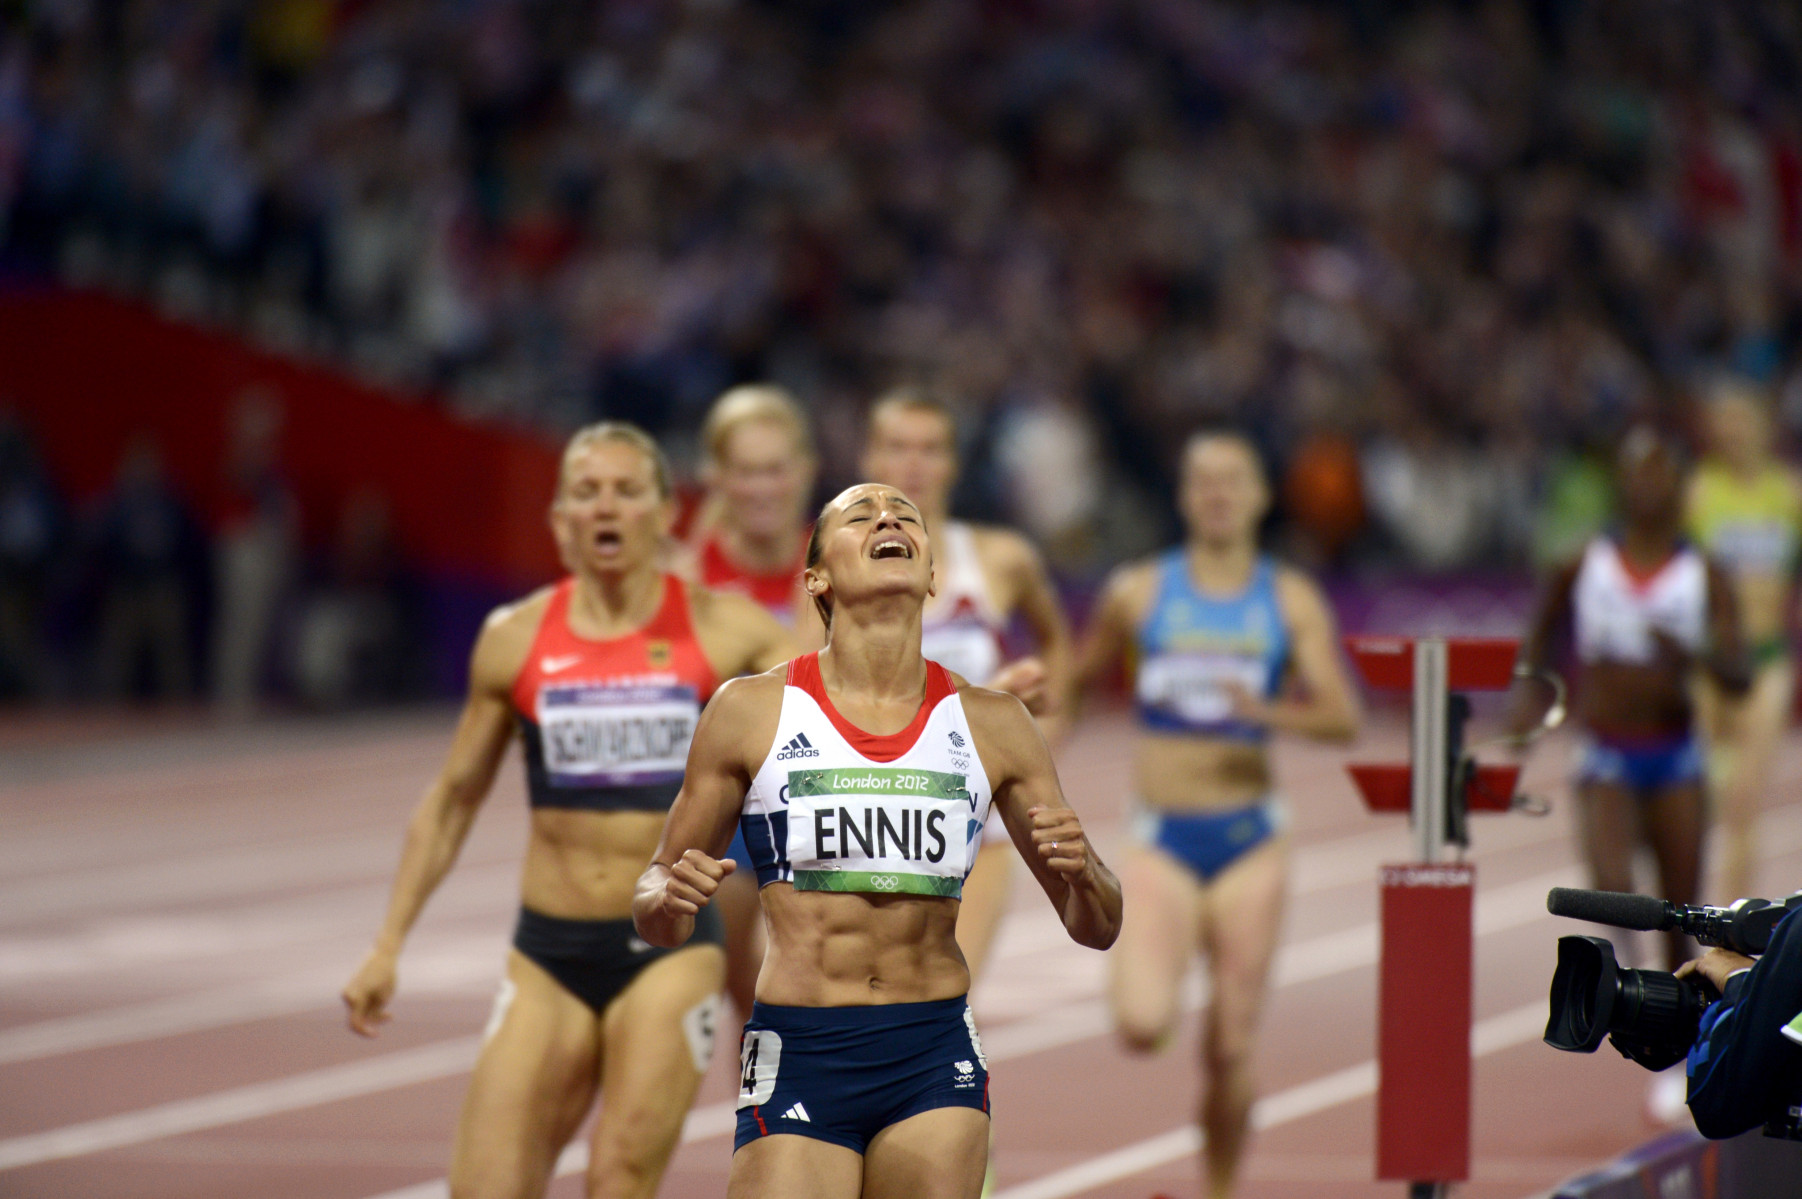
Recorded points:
(1428, 748)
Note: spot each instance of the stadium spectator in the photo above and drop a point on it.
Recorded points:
(146, 545)
(252, 553)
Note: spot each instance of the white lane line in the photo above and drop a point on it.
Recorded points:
(1511, 1028)
(1322, 957)
(1507, 907)
(1318, 867)
(431, 971)
(423, 1064)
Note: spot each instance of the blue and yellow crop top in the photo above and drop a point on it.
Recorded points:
(1192, 646)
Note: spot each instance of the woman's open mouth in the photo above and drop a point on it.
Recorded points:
(891, 547)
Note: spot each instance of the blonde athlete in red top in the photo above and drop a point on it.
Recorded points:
(862, 775)
(752, 539)
(984, 575)
(604, 674)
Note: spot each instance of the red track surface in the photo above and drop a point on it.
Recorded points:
(179, 907)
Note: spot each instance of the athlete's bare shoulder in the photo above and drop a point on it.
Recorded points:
(737, 633)
(1007, 736)
(1130, 588)
(1297, 591)
(506, 640)
(739, 723)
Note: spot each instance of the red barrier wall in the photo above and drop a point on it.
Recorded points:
(89, 373)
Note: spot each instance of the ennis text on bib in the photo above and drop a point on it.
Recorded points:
(834, 808)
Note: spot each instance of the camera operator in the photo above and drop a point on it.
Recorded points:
(1745, 1066)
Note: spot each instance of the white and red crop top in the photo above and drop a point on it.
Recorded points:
(962, 628)
(834, 808)
(1616, 608)
(607, 723)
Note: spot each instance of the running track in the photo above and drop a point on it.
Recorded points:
(179, 904)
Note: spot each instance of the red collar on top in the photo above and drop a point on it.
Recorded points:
(804, 672)
(1639, 579)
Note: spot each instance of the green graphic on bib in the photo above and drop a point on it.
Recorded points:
(1793, 1030)
(880, 831)
(878, 884)
(872, 780)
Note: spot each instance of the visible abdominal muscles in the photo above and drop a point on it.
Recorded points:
(839, 949)
(584, 865)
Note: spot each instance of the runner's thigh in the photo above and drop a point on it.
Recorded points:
(657, 1039)
(532, 1084)
(938, 1154)
(792, 1167)
(1158, 938)
(1242, 920)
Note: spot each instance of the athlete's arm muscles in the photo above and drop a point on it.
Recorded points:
(1328, 706)
(1043, 826)
(1110, 633)
(441, 821)
(1725, 657)
(686, 870)
(1552, 612)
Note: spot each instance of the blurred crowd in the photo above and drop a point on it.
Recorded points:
(131, 596)
(1435, 255)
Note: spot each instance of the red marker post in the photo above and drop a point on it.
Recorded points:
(1424, 1000)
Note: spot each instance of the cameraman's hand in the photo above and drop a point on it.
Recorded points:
(1717, 966)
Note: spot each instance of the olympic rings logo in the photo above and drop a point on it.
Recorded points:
(885, 882)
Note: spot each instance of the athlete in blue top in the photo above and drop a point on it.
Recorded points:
(1225, 645)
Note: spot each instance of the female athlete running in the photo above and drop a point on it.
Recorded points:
(862, 775)
(604, 674)
(985, 575)
(1745, 512)
(1225, 647)
(1644, 608)
(752, 539)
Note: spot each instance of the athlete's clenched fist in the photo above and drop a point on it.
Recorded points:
(693, 880)
(1057, 834)
(668, 897)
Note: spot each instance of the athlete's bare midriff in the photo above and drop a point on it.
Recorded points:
(1622, 699)
(1184, 772)
(829, 949)
(582, 865)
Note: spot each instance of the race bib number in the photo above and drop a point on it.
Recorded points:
(601, 736)
(1194, 687)
(759, 1057)
(879, 830)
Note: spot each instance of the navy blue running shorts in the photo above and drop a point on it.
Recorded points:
(843, 1074)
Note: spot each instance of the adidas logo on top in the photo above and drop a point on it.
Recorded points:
(797, 1112)
(800, 747)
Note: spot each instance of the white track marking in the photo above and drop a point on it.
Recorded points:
(1517, 1027)
(430, 970)
(1511, 906)
(328, 1085)
(1318, 867)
